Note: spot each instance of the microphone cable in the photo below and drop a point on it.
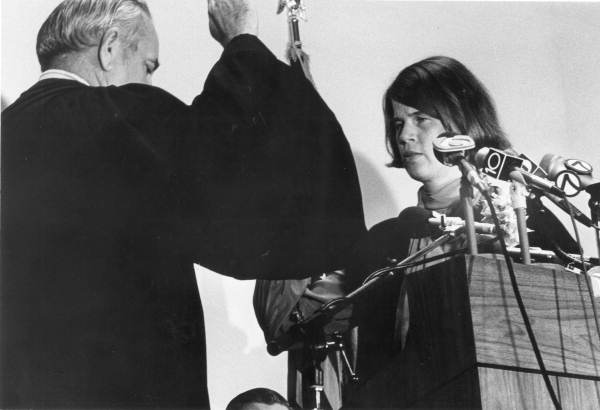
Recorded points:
(298, 331)
(378, 273)
(521, 305)
(569, 259)
(387, 269)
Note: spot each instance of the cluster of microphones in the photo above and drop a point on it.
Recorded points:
(555, 177)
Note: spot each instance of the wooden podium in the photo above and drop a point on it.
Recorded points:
(468, 348)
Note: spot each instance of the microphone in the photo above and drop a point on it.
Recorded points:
(506, 167)
(443, 221)
(388, 239)
(451, 149)
(530, 166)
(500, 165)
(571, 175)
(413, 222)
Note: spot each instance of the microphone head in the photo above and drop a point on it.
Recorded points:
(481, 157)
(497, 163)
(414, 222)
(553, 165)
(389, 239)
(517, 176)
(570, 175)
(450, 148)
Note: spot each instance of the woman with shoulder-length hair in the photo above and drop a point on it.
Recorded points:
(428, 98)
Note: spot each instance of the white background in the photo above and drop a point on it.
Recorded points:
(540, 61)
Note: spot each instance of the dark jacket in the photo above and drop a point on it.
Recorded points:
(110, 194)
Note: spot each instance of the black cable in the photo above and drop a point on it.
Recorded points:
(566, 258)
(378, 273)
(519, 299)
(583, 266)
(381, 271)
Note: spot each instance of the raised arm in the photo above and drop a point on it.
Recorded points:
(272, 188)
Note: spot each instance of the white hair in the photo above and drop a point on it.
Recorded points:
(76, 24)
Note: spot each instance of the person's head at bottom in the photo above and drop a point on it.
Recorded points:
(259, 399)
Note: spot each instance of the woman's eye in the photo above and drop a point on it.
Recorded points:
(421, 120)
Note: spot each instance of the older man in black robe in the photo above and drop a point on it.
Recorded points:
(112, 189)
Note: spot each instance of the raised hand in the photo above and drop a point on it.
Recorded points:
(229, 18)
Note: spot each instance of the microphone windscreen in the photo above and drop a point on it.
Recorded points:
(497, 163)
(389, 239)
(481, 157)
(386, 241)
(552, 164)
(414, 222)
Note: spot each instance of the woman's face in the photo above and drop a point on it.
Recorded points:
(414, 135)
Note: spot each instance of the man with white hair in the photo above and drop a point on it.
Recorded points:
(112, 189)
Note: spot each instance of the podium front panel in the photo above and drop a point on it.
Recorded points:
(467, 346)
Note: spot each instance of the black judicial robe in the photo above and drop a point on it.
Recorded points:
(110, 194)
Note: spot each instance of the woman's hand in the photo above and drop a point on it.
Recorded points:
(230, 18)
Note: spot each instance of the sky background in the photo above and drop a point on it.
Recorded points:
(539, 61)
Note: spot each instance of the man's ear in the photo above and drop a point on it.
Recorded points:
(109, 48)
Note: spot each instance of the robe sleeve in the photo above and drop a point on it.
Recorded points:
(267, 183)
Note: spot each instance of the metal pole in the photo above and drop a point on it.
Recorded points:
(466, 195)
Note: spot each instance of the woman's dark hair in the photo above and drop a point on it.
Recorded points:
(258, 395)
(445, 89)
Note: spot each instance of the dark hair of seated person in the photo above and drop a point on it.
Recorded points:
(255, 396)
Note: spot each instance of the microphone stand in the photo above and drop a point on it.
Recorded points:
(466, 197)
(451, 149)
(469, 180)
(517, 196)
(594, 204)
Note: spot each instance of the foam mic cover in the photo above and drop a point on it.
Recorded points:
(389, 239)
(414, 222)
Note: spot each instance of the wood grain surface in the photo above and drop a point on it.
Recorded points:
(467, 346)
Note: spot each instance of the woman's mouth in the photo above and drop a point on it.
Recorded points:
(411, 155)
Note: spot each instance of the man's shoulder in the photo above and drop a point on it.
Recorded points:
(135, 90)
(58, 94)
(138, 103)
